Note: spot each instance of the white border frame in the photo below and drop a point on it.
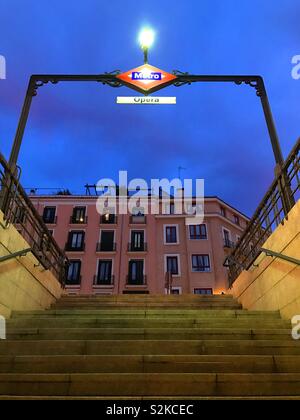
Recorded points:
(55, 216)
(197, 240)
(178, 262)
(75, 286)
(86, 215)
(177, 234)
(224, 229)
(107, 286)
(201, 272)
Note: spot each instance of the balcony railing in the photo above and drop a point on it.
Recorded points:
(112, 219)
(50, 220)
(109, 281)
(78, 221)
(229, 244)
(138, 220)
(18, 210)
(103, 247)
(133, 248)
(74, 248)
(273, 210)
(74, 282)
(136, 281)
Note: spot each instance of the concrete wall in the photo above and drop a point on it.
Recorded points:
(275, 284)
(22, 285)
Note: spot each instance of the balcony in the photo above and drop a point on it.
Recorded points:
(110, 219)
(74, 282)
(138, 220)
(69, 247)
(133, 248)
(139, 281)
(229, 244)
(103, 247)
(78, 221)
(50, 220)
(109, 281)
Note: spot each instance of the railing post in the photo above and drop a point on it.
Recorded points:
(283, 182)
(21, 126)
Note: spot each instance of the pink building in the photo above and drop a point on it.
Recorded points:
(131, 254)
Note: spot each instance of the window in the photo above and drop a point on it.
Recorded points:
(200, 263)
(137, 241)
(176, 291)
(73, 276)
(203, 291)
(136, 272)
(223, 211)
(172, 265)
(108, 218)
(227, 238)
(78, 216)
(198, 232)
(107, 241)
(76, 241)
(138, 211)
(49, 215)
(236, 219)
(138, 216)
(171, 235)
(172, 208)
(104, 272)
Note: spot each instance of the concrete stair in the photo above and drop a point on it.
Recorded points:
(139, 346)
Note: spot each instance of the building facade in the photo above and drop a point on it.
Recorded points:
(117, 254)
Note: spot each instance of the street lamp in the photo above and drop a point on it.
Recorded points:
(146, 40)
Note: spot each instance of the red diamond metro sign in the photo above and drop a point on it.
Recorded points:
(147, 79)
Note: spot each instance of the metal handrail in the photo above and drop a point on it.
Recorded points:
(19, 211)
(270, 253)
(21, 253)
(269, 215)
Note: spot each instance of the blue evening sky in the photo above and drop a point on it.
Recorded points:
(77, 134)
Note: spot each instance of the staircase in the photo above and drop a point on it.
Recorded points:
(135, 346)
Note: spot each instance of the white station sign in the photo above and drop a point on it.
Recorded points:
(146, 100)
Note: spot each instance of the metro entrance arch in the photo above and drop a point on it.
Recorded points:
(147, 79)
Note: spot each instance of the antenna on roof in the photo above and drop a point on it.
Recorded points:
(180, 169)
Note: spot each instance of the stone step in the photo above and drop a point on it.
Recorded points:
(141, 322)
(150, 347)
(149, 364)
(148, 313)
(154, 298)
(207, 306)
(145, 334)
(151, 398)
(131, 298)
(150, 384)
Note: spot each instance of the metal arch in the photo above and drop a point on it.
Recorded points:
(111, 79)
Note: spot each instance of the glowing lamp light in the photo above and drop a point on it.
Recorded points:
(146, 38)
